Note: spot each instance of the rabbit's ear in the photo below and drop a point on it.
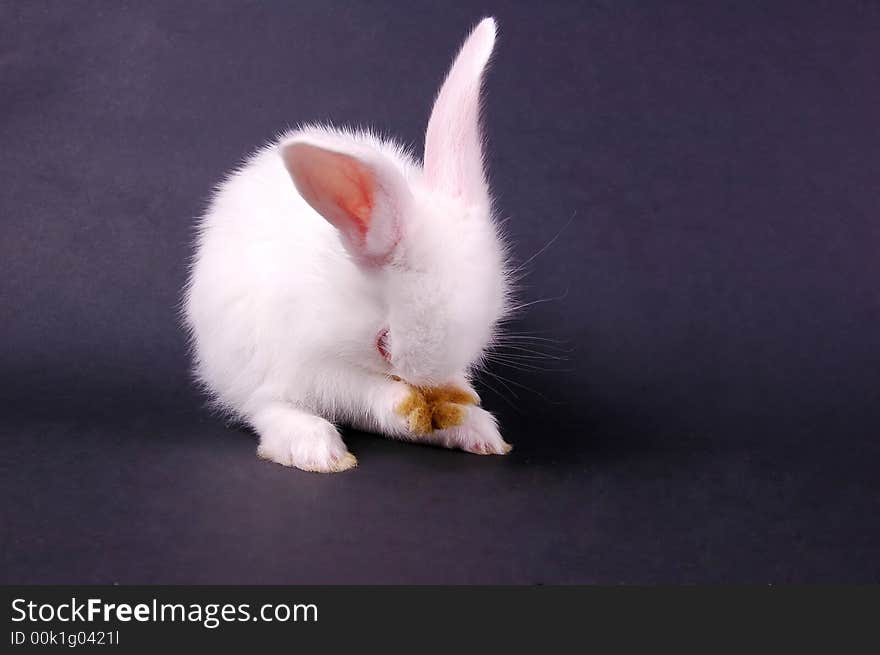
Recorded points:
(361, 195)
(453, 145)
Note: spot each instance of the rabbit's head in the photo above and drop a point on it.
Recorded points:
(424, 235)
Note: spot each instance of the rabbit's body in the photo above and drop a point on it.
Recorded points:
(333, 276)
(272, 295)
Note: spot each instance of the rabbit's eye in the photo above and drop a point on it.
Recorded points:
(383, 345)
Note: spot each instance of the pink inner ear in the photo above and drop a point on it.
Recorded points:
(339, 187)
(356, 193)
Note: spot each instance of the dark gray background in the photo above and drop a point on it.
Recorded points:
(714, 169)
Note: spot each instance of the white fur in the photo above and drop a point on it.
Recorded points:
(284, 304)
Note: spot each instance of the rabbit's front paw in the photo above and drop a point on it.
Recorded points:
(307, 442)
(449, 405)
(426, 409)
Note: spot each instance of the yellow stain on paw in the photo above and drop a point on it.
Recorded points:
(446, 415)
(420, 420)
(415, 409)
(450, 394)
(435, 408)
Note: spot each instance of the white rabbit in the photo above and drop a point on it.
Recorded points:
(334, 274)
